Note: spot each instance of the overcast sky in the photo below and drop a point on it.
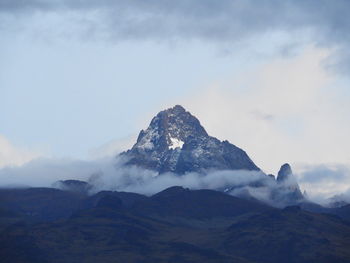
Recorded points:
(79, 79)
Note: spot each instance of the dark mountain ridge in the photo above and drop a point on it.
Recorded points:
(174, 225)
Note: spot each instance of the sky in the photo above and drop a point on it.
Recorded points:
(80, 79)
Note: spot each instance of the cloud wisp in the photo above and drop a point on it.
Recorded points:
(10, 155)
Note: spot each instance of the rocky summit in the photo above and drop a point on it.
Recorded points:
(288, 191)
(175, 141)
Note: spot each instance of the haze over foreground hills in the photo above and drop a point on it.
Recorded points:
(246, 216)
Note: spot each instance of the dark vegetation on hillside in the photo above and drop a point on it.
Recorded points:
(175, 225)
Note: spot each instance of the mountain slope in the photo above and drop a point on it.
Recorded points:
(196, 204)
(170, 229)
(41, 204)
(290, 235)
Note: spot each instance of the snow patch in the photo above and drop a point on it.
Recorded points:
(175, 143)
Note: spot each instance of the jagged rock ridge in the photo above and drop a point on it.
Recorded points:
(175, 141)
(288, 191)
(285, 173)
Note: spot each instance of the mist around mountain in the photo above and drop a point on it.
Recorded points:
(175, 142)
(178, 195)
(174, 150)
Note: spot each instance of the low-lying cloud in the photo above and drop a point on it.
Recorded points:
(135, 179)
(10, 155)
(321, 182)
(112, 175)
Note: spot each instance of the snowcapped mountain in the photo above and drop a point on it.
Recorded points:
(175, 141)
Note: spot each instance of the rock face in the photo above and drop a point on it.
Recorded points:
(285, 173)
(175, 141)
(288, 188)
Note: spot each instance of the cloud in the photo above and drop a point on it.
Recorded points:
(339, 198)
(325, 181)
(321, 182)
(110, 174)
(223, 21)
(134, 179)
(43, 172)
(11, 155)
(286, 110)
(112, 148)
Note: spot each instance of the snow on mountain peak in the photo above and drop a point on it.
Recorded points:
(175, 141)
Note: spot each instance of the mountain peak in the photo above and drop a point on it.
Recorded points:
(284, 173)
(289, 185)
(176, 109)
(175, 141)
(169, 129)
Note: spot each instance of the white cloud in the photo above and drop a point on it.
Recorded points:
(113, 147)
(320, 181)
(325, 181)
(11, 155)
(284, 111)
(43, 172)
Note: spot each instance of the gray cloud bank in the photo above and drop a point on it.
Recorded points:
(208, 19)
(325, 22)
